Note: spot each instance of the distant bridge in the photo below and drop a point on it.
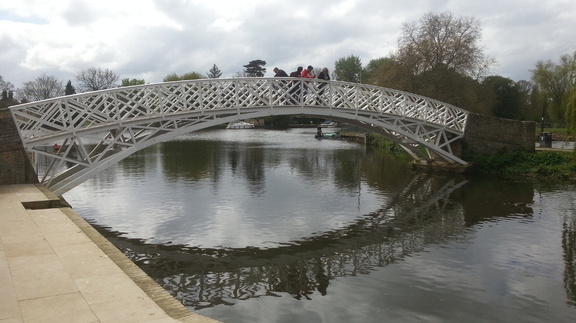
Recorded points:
(97, 129)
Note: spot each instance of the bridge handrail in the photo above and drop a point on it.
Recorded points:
(123, 104)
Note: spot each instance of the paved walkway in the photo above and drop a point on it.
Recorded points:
(54, 267)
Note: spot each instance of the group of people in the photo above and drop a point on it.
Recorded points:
(295, 91)
(304, 73)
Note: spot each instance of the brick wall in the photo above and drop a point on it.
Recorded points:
(15, 167)
(490, 135)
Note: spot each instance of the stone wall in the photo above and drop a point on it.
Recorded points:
(490, 135)
(15, 167)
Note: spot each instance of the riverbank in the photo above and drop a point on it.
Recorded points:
(544, 163)
(549, 163)
(54, 267)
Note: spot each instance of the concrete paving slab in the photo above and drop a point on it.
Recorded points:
(50, 309)
(54, 267)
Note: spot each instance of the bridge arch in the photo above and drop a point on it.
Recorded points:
(97, 129)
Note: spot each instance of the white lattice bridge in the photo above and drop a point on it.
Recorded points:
(97, 129)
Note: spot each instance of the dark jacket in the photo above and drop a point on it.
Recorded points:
(281, 73)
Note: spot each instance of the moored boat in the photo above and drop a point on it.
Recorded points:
(239, 125)
(328, 124)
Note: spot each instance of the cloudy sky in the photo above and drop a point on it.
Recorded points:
(149, 39)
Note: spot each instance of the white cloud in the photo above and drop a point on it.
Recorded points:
(154, 38)
(221, 24)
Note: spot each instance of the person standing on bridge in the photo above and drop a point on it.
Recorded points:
(295, 90)
(308, 73)
(324, 75)
(279, 72)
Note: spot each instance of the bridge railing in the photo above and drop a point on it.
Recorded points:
(116, 106)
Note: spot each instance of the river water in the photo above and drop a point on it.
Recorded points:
(276, 226)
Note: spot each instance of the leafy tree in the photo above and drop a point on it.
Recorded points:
(371, 71)
(255, 68)
(348, 69)
(439, 83)
(529, 103)
(388, 72)
(571, 112)
(449, 86)
(94, 79)
(5, 86)
(130, 82)
(439, 57)
(508, 97)
(443, 40)
(42, 88)
(214, 72)
(186, 76)
(69, 89)
(555, 82)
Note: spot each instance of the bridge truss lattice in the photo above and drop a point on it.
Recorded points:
(97, 129)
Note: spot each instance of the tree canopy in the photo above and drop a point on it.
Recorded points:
(571, 111)
(214, 72)
(94, 79)
(442, 40)
(131, 82)
(69, 89)
(42, 88)
(508, 98)
(348, 69)
(555, 81)
(186, 76)
(255, 68)
(5, 86)
(440, 57)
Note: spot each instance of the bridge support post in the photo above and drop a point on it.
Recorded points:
(15, 166)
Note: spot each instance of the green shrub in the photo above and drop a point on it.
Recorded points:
(552, 164)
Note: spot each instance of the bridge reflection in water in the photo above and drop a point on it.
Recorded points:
(425, 212)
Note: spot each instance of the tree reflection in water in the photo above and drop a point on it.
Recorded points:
(569, 248)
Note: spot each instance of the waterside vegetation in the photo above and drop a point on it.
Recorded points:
(549, 164)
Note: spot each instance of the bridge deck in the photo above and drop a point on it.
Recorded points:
(98, 129)
(54, 267)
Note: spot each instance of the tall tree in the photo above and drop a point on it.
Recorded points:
(255, 68)
(42, 88)
(5, 86)
(571, 112)
(214, 72)
(443, 40)
(508, 99)
(130, 82)
(529, 103)
(449, 86)
(69, 89)
(348, 69)
(186, 76)
(94, 79)
(388, 72)
(554, 82)
(371, 71)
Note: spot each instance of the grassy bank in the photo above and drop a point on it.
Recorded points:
(559, 134)
(541, 164)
